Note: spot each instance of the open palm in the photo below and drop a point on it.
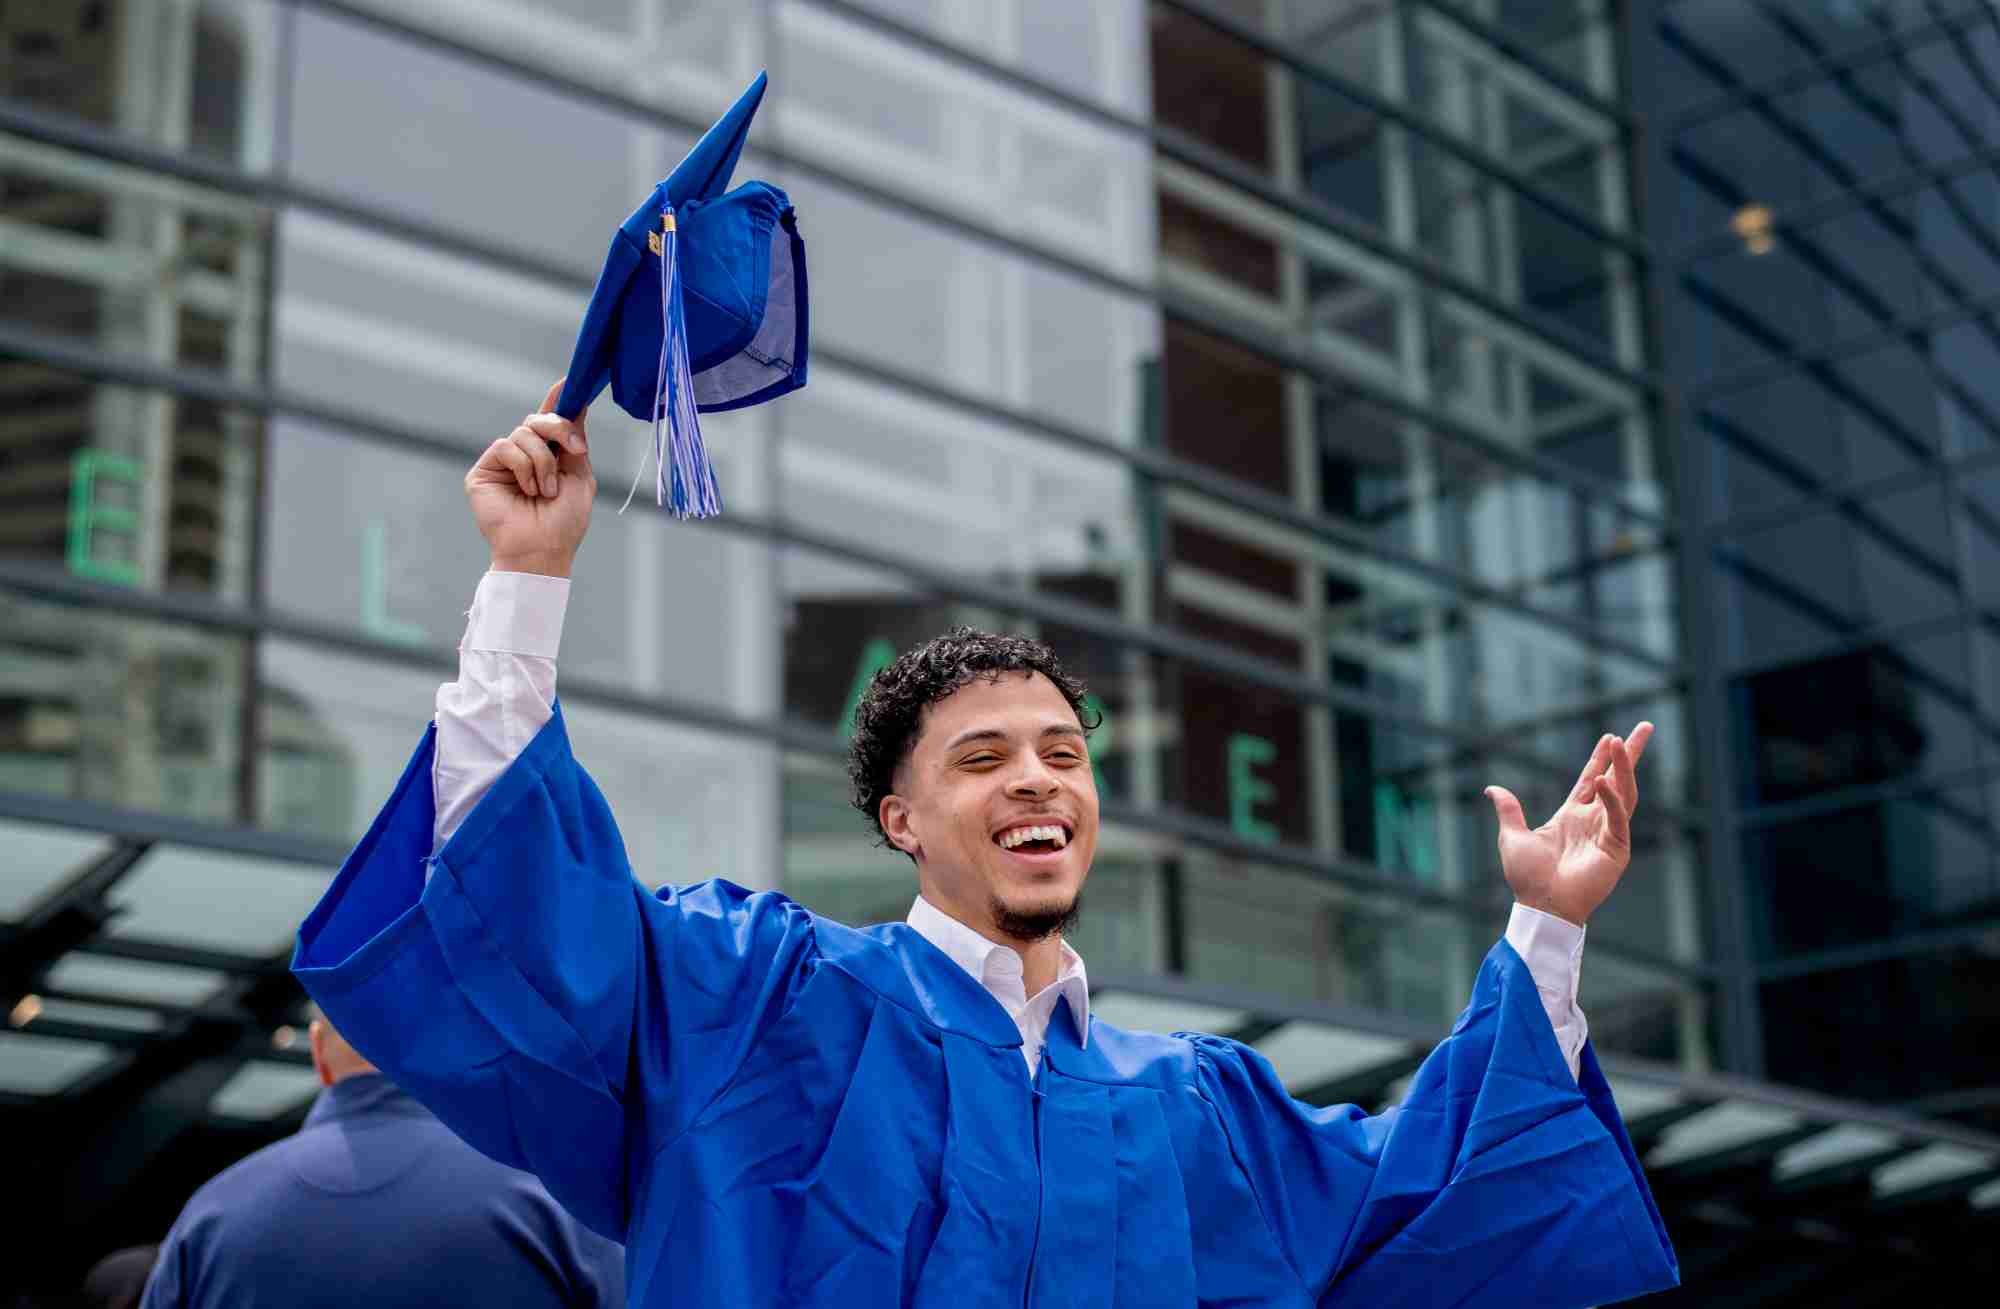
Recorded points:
(1569, 864)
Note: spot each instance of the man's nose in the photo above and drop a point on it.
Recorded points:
(1034, 780)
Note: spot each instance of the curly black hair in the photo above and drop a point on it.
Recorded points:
(887, 719)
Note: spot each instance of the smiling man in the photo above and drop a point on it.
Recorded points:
(770, 1108)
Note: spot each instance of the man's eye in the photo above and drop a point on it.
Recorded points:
(981, 759)
(1069, 756)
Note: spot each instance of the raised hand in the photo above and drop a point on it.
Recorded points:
(531, 492)
(1569, 865)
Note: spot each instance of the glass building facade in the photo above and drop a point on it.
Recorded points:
(1292, 366)
(1827, 201)
(1308, 413)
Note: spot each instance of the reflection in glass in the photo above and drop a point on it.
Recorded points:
(1898, 865)
(1930, 1024)
(895, 473)
(122, 711)
(1285, 934)
(183, 76)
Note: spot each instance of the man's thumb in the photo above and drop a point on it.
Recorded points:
(1508, 809)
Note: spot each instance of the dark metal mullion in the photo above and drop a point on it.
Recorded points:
(1855, 197)
(1389, 111)
(1526, 56)
(1815, 71)
(1807, 142)
(1750, 324)
(1200, 479)
(1164, 139)
(1982, 236)
(1830, 381)
(1836, 271)
(1856, 512)
(1966, 59)
(54, 585)
(277, 194)
(1918, 787)
(1903, 945)
(1439, 276)
(1778, 588)
(790, 734)
(1902, 330)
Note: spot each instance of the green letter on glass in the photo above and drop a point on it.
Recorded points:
(1247, 790)
(1405, 834)
(87, 517)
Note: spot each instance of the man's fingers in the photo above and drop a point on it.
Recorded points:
(555, 394)
(1507, 808)
(505, 458)
(1621, 778)
(1600, 758)
(1618, 817)
(554, 427)
(537, 448)
(1636, 742)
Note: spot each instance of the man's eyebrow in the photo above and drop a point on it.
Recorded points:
(995, 734)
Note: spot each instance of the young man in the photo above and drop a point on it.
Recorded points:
(772, 1109)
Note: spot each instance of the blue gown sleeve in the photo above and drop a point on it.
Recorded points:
(1500, 1180)
(530, 992)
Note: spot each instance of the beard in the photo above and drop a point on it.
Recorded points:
(1039, 922)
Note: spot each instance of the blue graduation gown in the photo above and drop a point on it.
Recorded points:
(769, 1108)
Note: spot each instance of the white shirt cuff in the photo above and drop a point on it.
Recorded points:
(1552, 948)
(517, 613)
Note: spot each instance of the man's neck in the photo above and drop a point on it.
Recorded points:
(1041, 960)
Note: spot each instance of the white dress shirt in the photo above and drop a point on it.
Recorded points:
(998, 968)
(505, 692)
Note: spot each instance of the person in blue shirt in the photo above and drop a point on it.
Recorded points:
(771, 1108)
(375, 1202)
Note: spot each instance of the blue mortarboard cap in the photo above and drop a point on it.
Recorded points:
(701, 306)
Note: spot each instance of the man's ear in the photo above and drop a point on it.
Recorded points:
(317, 1039)
(894, 813)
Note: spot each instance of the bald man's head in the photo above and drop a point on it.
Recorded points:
(333, 1058)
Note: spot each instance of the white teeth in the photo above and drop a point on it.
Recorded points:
(1022, 835)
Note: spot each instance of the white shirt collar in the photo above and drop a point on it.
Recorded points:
(998, 967)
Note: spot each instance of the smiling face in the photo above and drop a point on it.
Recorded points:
(997, 805)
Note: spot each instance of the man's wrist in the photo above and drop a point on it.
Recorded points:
(548, 565)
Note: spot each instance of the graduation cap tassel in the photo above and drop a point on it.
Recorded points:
(685, 482)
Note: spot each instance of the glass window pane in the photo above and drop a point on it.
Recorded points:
(875, 107)
(40, 857)
(104, 977)
(264, 1090)
(1291, 935)
(892, 472)
(130, 261)
(122, 711)
(1854, 717)
(1086, 50)
(202, 87)
(129, 486)
(925, 302)
(354, 540)
(1644, 1014)
(403, 127)
(1898, 865)
(216, 901)
(1930, 1021)
(43, 1065)
(692, 804)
